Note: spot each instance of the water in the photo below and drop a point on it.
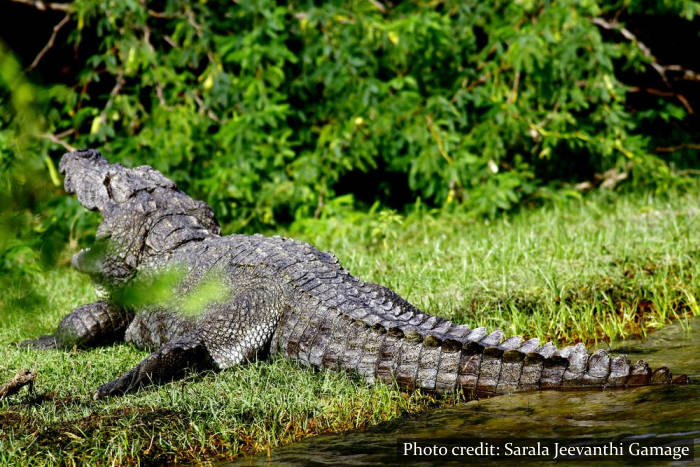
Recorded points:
(646, 412)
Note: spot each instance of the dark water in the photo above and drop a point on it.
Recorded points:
(652, 412)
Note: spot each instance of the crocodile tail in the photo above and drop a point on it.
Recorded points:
(480, 364)
(516, 365)
(379, 335)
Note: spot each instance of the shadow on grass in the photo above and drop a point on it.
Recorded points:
(67, 436)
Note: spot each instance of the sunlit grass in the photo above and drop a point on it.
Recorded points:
(599, 269)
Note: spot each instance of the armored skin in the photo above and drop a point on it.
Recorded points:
(283, 296)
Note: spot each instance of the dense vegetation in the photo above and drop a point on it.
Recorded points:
(267, 110)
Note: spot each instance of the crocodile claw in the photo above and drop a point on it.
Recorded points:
(116, 387)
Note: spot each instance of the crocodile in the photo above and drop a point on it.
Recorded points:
(286, 297)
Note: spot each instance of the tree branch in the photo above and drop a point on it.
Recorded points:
(677, 148)
(203, 108)
(688, 172)
(113, 93)
(57, 140)
(190, 18)
(158, 14)
(147, 40)
(689, 75)
(50, 43)
(658, 92)
(39, 5)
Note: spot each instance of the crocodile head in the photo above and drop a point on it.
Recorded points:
(143, 213)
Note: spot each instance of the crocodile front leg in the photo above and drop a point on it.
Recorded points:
(228, 334)
(171, 362)
(98, 323)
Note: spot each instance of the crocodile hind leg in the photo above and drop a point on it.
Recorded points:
(98, 323)
(228, 334)
(171, 362)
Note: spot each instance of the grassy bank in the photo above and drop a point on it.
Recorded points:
(593, 270)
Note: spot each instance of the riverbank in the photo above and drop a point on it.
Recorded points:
(594, 270)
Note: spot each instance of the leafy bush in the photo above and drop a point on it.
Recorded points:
(267, 110)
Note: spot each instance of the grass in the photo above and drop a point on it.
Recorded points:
(594, 270)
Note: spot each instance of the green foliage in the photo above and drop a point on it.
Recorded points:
(34, 222)
(163, 289)
(269, 110)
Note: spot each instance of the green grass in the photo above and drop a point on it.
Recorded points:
(598, 269)
(593, 270)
